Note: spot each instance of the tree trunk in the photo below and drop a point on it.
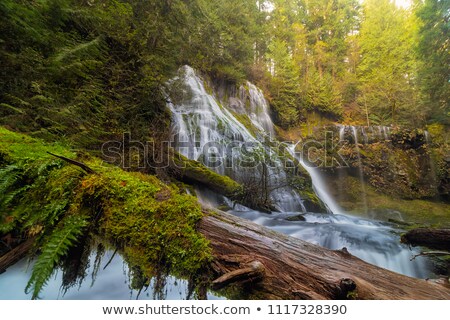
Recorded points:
(267, 265)
(430, 238)
(13, 256)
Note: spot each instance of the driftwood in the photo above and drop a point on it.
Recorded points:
(290, 268)
(431, 238)
(13, 256)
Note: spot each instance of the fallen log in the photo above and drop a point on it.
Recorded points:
(13, 256)
(431, 238)
(295, 269)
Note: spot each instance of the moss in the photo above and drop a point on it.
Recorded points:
(154, 224)
(415, 212)
(193, 170)
(246, 122)
(352, 295)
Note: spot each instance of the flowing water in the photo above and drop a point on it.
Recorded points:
(375, 242)
(361, 174)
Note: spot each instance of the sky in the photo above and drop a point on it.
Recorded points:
(403, 3)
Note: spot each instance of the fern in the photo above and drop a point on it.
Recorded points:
(11, 196)
(56, 247)
(9, 176)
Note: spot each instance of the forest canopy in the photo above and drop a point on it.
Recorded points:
(88, 69)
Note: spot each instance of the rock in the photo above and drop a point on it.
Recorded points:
(299, 217)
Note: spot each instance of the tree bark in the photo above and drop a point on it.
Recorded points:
(289, 268)
(13, 256)
(431, 238)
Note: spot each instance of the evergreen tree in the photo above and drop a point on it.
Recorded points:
(387, 70)
(434, 52)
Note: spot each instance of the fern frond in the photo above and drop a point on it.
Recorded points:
(10, 107)
(57, 246)
(11, 196)
(9, 176)
(84, 49)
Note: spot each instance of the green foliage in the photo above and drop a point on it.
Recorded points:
(434, 52)
(387, 67)
(43, 197)
(323, 96)
(284, 86)
(56, 247)
(308, 57)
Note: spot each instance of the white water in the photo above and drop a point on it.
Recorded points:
(205, 131)
(259, 110)
(361, 174)
(372, 241)
(319, 185)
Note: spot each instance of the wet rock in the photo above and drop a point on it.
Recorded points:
(299, 217)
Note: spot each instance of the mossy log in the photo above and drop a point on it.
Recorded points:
(196, 173)
(430, 238)
(289, 268)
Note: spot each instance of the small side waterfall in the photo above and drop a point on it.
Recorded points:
(318, 183)
(259, 110)
(361, 174)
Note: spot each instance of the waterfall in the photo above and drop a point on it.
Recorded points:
(200, 121)
(206, 131)
(341, 133)
(318, 182)
(361, 174)
(259, 110)
(427, 137)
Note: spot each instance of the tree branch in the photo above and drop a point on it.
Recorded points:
(75, 163)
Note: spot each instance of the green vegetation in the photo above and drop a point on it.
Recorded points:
(90, 71)
(417, 212)
(433, 50)
(387, 70)
(57, 203)
(196, 172)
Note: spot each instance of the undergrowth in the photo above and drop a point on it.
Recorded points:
(57, 203)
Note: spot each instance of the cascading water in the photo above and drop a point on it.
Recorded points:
(361, 174)
(259, 110)
(203, 130)
(199, 120)
(319, 185)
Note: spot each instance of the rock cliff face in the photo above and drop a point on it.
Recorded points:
(399, 162)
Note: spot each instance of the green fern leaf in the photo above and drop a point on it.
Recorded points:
(57, 246)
